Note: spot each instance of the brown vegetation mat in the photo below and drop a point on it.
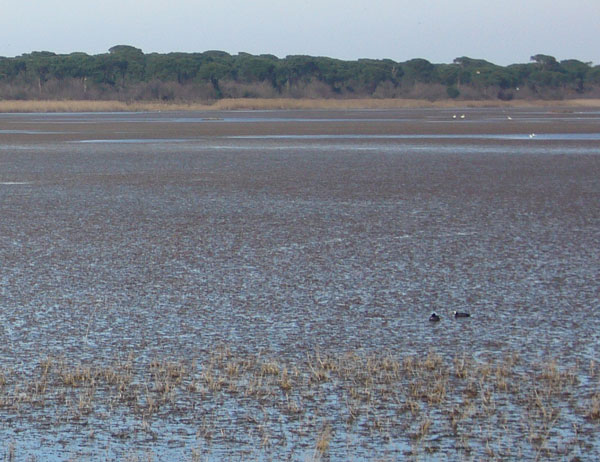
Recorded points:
(273, 103)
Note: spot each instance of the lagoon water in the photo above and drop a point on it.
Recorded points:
(162, 237)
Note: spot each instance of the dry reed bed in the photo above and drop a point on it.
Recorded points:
(493, 409)
(15, 106)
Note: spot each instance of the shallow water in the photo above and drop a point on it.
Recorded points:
(282, 245)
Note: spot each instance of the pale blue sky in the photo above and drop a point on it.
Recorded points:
(503, 32)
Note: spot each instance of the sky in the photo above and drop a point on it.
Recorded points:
(503, 32)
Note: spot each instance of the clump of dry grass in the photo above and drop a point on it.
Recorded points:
(423, 429)
(324, 440)
(461, 367)
(593, 412)
(269, 368)
(285, 383)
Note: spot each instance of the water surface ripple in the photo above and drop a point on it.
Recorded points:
(281, 246)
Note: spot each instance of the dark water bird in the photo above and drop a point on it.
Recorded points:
(434, 317)
(459, 314)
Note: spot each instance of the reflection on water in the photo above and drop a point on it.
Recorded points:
(127, 253)
(136, 140)
(392, 144)
(512, 116)
(479, 136)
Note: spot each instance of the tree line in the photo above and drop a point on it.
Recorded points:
(126, 73)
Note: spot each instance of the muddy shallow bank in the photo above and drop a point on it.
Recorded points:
(192, 125)
(257, 284)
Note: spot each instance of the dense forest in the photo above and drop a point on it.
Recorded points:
(125, 73)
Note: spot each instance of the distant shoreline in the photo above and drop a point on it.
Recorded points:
(54, 106)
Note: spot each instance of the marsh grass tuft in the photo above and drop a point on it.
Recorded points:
(269, 368)
(324, 440)
(285, 383)
(594, 408)
(423, 429)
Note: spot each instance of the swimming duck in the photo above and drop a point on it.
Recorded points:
(459, 314)
(434, 317)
